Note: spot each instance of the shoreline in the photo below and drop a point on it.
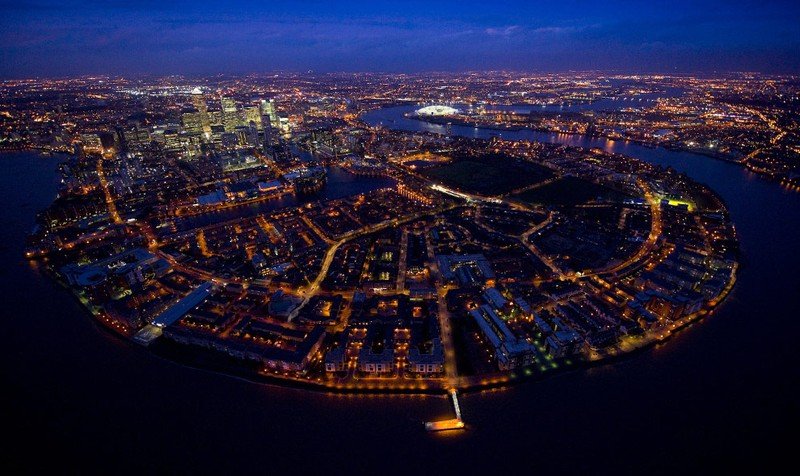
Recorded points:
(672, 148)
(197, 358)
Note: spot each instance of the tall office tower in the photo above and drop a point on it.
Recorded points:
(191, 121)
(252, 114)
(242, 135)
(268, 109)
(230, 114)
(137, 138)
(199, 102)
(268, 133)
(172, 141)
(215, 116)
(252, 134)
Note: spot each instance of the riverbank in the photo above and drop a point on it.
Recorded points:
(215, 361)
(449, 122)
(724, 389)
(507, 128)
(358, 383)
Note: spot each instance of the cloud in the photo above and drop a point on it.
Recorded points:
(556, 30)
(506, 31)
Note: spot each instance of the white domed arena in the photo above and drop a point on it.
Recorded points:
(437, 110)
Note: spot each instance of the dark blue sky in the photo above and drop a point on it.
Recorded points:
(45, 38)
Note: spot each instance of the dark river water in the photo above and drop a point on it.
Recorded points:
(340, 183)
(720, 395)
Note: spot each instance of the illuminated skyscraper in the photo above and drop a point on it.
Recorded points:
(199, 102)
(192, 121)
(252, 114)
(268, 137)
(230, 114)
(268, 109)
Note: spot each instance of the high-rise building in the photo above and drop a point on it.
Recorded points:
(230, 114)
(252, 114)
(137, 138)
(172, 141)
(192, 122)
(268, 109)
(215, 116)
(242, 133)
(199, 103)
(269, 135)
(252, 134)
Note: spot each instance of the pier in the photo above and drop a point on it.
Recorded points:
(452, 423)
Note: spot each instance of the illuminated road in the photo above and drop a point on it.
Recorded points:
(312, 289)
(112, 207)
(309, 223)
(401, 265)
(445, 330)
(534, 185)
(652, 238)
(525, 238)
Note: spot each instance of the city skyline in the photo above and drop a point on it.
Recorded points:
(46, 39)
(439, 235)
(340, 234)
(395, 237)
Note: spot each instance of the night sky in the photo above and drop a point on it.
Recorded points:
(62, 38)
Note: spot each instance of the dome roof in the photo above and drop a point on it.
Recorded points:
(437, 110)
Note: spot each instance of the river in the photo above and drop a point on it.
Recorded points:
(718, 395)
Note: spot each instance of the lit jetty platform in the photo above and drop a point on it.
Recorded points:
(451, 424)
(444, 425)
